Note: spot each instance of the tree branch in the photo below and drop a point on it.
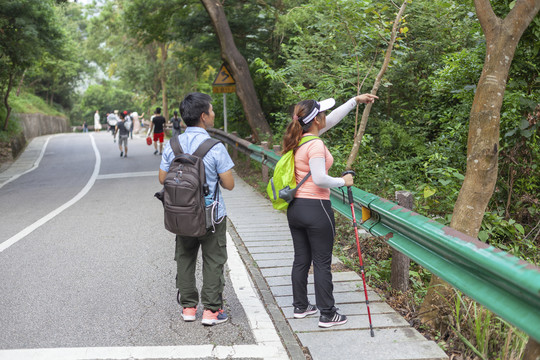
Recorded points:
(519, 18)
(488, 20)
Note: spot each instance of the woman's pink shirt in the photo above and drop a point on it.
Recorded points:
(313, 149)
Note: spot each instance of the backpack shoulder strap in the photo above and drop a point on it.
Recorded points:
(176, 147)
(205, 146)
(307, 139)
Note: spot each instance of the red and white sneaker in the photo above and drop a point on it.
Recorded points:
(188, 314)
(211, 318)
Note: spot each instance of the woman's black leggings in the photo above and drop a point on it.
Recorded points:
(312, 227)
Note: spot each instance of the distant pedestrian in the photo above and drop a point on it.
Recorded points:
(136, 123)
(85, 127)
(197, 112)
(176, 121)
(123, 134)
(157, 127)
(128, 123)
(310, 215)
(97, 123)
(112, 120)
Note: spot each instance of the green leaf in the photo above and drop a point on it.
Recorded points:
(429, 192)
(520, 228)
(483, 236)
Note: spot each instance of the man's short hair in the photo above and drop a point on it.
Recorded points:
(193, 106)
(158, 110)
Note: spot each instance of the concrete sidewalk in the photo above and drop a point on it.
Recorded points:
(268, 253)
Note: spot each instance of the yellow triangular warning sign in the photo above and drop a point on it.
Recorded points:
(224, 77)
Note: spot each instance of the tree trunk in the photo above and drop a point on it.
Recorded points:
(6, 97)
(21, 83)
(163, 79)
(502, 37)
(239, 68)
(367, 109)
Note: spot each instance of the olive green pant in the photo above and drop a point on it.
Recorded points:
(214, 257)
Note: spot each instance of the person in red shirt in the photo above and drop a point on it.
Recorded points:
(159, 133)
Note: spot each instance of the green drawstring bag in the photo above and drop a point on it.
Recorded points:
(282, 186)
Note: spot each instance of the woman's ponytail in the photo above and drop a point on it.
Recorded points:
(294, 131)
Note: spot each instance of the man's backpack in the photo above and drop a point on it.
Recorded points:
(184, 191)
(282, 186)
(127, 124)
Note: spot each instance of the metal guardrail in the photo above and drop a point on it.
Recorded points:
(506, 285)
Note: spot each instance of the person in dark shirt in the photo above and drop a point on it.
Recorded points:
(122, 129)
(176, 121)
(157, 127)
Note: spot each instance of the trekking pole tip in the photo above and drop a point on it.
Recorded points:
(372, 333)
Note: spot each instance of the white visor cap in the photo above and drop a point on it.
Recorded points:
(326, 104)
(317, 108)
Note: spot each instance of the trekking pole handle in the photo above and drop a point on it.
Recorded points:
(349, 191)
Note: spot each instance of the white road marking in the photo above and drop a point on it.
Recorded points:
(23, 233)
(128, 175)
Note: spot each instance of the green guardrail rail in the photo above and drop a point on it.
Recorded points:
(506, 285)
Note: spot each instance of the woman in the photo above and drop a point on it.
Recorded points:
(310, 214)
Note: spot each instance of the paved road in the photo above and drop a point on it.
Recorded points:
(87, 269)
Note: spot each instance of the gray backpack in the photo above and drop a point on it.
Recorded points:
(184, 191)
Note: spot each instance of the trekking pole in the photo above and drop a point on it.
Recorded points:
(351, 202)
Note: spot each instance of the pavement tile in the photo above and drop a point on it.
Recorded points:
(271, 249)
(344, 297)
(310, 323)
(387, 344)
(272, 256)
(375, 307)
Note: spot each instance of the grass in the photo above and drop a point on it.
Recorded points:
(27, 103)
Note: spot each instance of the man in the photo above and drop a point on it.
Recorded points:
(157, 127)
(112, 120)
(198, 114)
(123, 135)
(128, 123)
(176, 121)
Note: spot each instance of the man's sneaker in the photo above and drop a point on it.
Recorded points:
(328, 321)
(211, 318)
(302, 313)
(188, 314)
(121, 153)
(155, 152)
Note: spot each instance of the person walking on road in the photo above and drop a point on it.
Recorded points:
(85, 127)
(310, 215)
(97, 124)
(176, 121)
(159, 133)
(112, 120)
(123, 134)
(198, 114)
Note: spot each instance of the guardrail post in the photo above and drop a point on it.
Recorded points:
(235, 149)
(399, 277)
(264, 145)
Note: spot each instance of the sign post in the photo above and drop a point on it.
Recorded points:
(224, 83)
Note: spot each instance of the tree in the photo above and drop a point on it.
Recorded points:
(239, 69)
(27, 29)
(502, 37)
